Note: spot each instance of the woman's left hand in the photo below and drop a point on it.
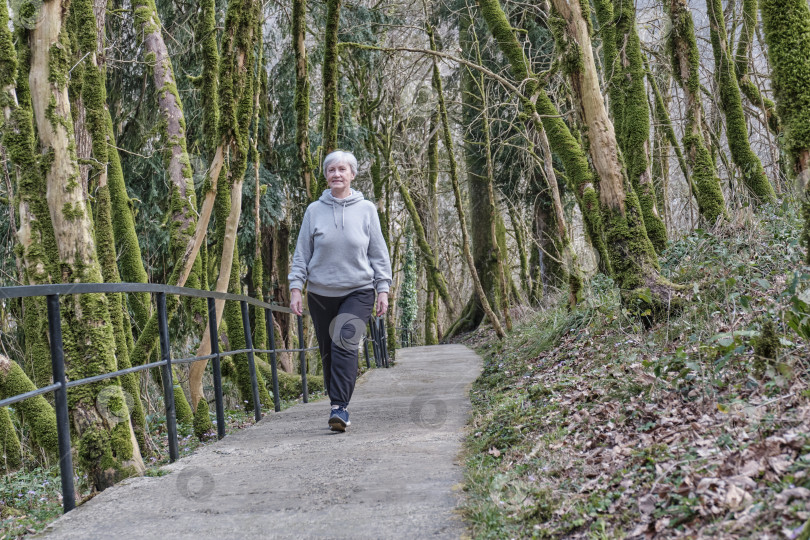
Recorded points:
(382, 303)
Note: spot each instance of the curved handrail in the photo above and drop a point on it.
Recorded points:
(62, 289)
(60, 385)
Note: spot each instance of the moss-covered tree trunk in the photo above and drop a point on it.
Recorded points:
(742, 66)
(665, 130)
(36, 412)
(89, 39)
(331, 107)
(431, 212)
(281, 258)
(299, 30)
(462, 218)
(10, 450)
(35, 236)
(624, 78)
(633, 259)
(434, 272)
(236, 101)
(523, 255)
(560, 263)
(543, 115)
(182, 198)
(662, 145)
(37, 245)
(257, 271)
(753, 174)
(482, 229)
(106, 447)
(685, 67)
(786, 24)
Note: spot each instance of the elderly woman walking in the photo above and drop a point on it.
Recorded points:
(342, 256)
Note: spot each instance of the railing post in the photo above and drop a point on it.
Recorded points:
(303, 358)
(271, 334)
(372, 330)
(254, 382)
(216, 366)
(365, 351)
(383, 341)
(168, 384)
(60, 404)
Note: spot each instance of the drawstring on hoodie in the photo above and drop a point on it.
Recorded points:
(327, 198)
(343, 216)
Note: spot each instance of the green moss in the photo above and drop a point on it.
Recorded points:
(786, 25)
(207, 35)
(122, 330)
(203, 427)
(36, 412)
(731, 101)
(145, 16)
(10, 451)
(123, 222)
(8, 56)
(766, 346)
(631, 111)
(182, 408)
(709, 195)
(73, 212)
(331, 108)
(58, 64)
(94, 450)
(289, 384)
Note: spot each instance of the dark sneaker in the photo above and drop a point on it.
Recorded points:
(339, 419)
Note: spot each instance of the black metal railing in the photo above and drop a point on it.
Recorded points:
(379, 342)
(61, 384)
(407, 337)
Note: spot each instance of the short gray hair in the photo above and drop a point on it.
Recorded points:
(340, 156)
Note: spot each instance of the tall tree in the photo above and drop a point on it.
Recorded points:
(465, 241)
(35, 237)
(299, 30)
(686, 68)
(331, 61)
(236, 101)
(624, 74)
(742, 66)
(753, 174)
(89, 37)
(107, 450)
(786, 24)
(483, 230)
(635, 266)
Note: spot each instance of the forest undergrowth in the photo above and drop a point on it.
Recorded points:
(587, 425)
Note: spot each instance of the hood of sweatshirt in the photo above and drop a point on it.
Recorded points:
(328, 199)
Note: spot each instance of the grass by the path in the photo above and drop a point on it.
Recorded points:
(586, 425)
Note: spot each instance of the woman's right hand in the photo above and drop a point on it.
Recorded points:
(296, 302)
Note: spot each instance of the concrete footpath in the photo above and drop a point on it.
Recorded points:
(393, 474)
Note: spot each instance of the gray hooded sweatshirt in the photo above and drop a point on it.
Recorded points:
(340, 248)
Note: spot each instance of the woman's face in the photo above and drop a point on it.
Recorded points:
(339, 175)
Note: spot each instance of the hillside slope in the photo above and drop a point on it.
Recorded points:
(586, 425)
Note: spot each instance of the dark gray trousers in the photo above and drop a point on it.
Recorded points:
(340, 325)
